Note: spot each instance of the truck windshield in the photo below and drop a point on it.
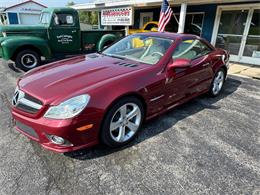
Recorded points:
(45, 18)
(141, 48)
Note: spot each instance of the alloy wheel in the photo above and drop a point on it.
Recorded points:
(125, 122)
(218, 82)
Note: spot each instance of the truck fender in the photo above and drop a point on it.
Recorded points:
(104, 41)
(12, 45)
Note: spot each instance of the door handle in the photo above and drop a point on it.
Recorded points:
(206, 64)
(73, 31)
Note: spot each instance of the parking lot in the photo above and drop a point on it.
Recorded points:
(207, 146)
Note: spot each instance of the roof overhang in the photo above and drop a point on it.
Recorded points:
(102, 4)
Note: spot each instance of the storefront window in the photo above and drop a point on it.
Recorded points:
(193, 24)
(231, 29)
(252, 48)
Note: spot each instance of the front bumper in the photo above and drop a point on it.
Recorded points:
(38, 129)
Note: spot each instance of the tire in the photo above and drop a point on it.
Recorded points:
(217, 83)
(116, 131)
(27, 60)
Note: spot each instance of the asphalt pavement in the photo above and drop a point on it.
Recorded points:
(206, 146)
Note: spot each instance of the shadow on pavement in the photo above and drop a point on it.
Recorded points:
(158, 125)
(13, 68)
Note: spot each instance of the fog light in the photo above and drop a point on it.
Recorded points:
(58, 140)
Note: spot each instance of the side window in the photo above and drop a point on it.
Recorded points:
(190, 49)
(204, 48)
(63, 19)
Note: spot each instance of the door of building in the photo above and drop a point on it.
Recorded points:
(145, 17)
(251, 52)
(13, 18)
(237, 29)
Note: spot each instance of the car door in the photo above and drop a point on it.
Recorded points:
(192, 80)
(64, 33)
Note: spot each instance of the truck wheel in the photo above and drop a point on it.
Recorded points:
(27, 60)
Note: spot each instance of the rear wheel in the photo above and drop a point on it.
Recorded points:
(217, 82)
(27, 60)
(122, 122)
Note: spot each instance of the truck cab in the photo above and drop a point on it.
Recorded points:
(58, 34)
(63, 29)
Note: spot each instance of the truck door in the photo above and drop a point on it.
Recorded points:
(64, 33)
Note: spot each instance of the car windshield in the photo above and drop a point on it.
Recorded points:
(45, 18)
(141, 48)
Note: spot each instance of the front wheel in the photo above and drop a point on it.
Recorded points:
(122, 122)
(217, 83)
(27, 60)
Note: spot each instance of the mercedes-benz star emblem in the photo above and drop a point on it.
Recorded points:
(18, 95)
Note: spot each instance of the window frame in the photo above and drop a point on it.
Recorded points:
(63, 25)
(194, 39)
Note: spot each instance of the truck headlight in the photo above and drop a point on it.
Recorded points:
(4, 34)
(68, 108)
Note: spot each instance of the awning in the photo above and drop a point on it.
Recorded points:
(101, 4)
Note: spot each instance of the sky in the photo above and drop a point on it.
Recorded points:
(48, 3)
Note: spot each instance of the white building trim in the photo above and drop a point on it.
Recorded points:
(250, 8)
(100, 4)
(182, 18)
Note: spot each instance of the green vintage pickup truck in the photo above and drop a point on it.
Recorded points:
(57, 35)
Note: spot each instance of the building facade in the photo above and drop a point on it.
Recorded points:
(230, 24)
(26, 13)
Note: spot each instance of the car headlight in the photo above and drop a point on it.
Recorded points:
(68, 108)
(4, 34)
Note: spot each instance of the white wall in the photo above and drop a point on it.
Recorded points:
(28, 13)
(29, 19)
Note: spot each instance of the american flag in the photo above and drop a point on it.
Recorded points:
(165, 16)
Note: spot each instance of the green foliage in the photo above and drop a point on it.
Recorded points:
(70, 3)
(86, 17)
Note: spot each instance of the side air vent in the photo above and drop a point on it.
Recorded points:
(125, 64)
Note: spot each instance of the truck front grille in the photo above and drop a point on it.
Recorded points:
(25, 102)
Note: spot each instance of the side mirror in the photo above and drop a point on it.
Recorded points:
(179, 63)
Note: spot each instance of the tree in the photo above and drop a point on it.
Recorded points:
(87, 17)
(70, 3)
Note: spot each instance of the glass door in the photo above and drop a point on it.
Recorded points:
(251, 52)
(231, 30)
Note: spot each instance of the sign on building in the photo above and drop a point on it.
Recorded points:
(117, 16)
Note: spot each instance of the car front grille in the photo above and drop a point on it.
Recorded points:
(30, 131)
(25, 102)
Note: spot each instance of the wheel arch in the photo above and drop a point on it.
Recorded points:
(105, 39)
(224, 67)
(26, 47)
(10, 46)
(130, 94)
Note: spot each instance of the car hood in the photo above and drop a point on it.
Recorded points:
(14, 30)
(19, 28)
(61, 80)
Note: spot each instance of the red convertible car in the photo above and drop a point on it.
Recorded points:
(105, 97)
